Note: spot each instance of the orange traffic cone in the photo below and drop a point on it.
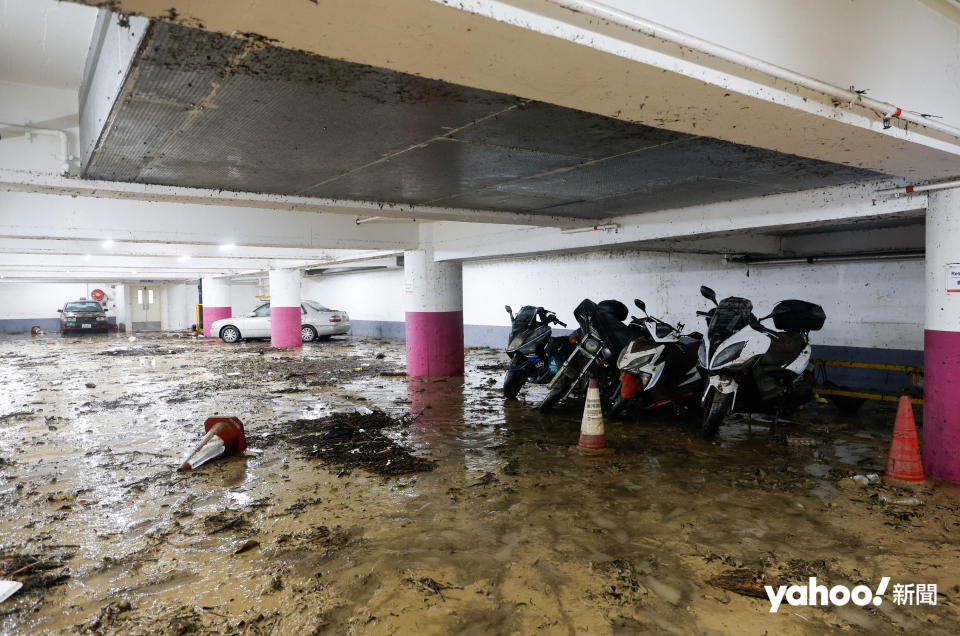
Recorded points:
(904, 463)
(224, 437)
(592, 438)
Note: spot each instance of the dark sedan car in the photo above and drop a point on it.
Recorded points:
(83, 315)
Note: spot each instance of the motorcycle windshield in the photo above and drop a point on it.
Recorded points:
(586, 313)
(732, 315)
(524, 319)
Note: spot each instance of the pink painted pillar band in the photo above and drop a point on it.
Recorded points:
(211, 315)
(285, 327)
(941, 404)
(434, 343)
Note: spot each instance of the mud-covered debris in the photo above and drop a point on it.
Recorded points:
(108, 619)
(356, 440)
(154, 350)
(426, 584)
(744, 582)
(37, 571)
(90, 385)
(499, 366)
(15, 414)
(625, 587)
(247, 545)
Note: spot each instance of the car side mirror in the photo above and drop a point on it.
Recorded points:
(708, 293)
(642, 306)
(59, 311)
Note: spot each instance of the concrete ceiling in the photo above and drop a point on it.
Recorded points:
(206, 110)
(44, 42)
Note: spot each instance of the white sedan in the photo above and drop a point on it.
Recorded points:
(316, 322)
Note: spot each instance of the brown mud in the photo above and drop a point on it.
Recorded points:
(488, 525)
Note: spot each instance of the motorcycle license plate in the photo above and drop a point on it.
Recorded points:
(86, 326)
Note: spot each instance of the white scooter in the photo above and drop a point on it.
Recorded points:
(750, 367)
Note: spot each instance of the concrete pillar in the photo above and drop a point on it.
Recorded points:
(434, 315)
(216, 302)
(941, 342)
(285, 308)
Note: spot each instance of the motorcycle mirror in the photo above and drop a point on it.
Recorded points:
(708, 293)
(508, 308)
(640, 305)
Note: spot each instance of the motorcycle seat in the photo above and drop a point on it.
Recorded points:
(783, 349)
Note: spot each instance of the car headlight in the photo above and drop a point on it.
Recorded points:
(101, 317)
(591, 345)
(70, 316)
(728, 353)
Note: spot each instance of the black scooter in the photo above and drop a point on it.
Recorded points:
(602, 336)
(658, 369)
(535, 354)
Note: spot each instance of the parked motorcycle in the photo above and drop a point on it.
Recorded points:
(750, 367)
(602, 336)
(659, 368)
(535, 354)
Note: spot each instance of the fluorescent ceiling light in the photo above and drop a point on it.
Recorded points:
(108, 243)
(183, 259)
(226, 247)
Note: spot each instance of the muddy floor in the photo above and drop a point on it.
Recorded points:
(486, 524)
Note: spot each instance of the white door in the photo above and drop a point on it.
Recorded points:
(145, 307)
(258, 325)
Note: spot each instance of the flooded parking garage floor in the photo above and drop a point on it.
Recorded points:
(452, 513)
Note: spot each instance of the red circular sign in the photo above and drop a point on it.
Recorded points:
(97, 294)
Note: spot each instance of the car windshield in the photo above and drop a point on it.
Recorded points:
(83, 306)
(315, 305)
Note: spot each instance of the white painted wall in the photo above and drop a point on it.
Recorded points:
(42, 299)
(867, 304)
(178, 305)
(363, 295)
(243, 297)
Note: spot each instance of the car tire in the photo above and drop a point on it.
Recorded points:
(230, 334)
(308, 333)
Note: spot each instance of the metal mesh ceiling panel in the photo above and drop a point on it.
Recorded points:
(206, 110)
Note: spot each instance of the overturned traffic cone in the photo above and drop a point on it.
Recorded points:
(904, 463)
(592, 439)
(224, 437)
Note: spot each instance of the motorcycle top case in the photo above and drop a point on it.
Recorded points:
(615, 308)
(798, 315)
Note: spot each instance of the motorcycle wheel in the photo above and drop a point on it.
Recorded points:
(551, 400)
(714, 410)
(512, 383)
(617, 407)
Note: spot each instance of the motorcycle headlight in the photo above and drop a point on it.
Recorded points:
(591, 345)
(636, 363)
(702, 355)
(515, 343)
(530, 347)
(728, 353)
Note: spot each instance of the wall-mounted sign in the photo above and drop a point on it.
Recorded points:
(953, 278)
